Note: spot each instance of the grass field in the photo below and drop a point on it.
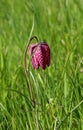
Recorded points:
(58, 90)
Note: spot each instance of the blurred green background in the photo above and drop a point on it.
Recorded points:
(59, 88)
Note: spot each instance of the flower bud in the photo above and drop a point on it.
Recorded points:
(39, 55)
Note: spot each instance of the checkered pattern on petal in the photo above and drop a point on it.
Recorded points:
(41, 56)
(47, 53)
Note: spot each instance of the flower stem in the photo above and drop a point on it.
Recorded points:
(27, 72)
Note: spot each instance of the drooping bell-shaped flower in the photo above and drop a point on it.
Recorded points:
(39, 55)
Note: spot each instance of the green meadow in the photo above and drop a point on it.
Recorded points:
(57, 90)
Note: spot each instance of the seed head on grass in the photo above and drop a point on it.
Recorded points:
(39, 55)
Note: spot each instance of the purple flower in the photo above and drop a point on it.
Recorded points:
(40, 55)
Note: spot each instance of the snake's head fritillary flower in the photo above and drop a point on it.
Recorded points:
(39, 55)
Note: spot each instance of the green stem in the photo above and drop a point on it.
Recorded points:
(25, 69)
(62, 121)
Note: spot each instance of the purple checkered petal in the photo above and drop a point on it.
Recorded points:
(31, 48)
(34, 62)
(47, 53)
(41, 56)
